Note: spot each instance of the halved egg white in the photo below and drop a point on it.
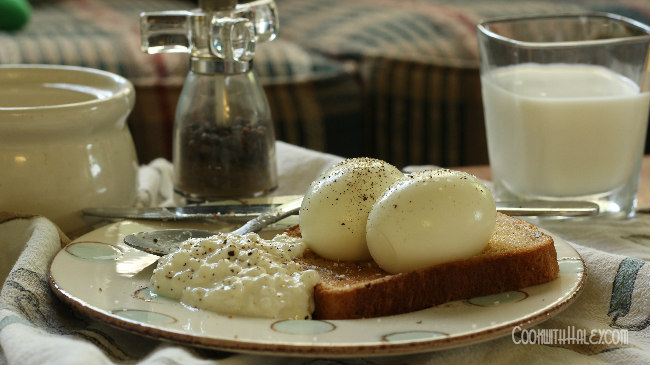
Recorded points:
(430, 217)
(335, 208)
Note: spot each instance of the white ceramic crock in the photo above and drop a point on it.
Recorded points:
(64, 142)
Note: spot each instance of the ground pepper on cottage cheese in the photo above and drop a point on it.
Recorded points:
(239, 275)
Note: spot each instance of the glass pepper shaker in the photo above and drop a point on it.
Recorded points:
(224, 142)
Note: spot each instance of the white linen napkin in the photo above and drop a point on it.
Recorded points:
(36, 328)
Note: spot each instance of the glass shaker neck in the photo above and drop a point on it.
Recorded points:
(202, 65)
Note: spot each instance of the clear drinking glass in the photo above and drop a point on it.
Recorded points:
(566, 101)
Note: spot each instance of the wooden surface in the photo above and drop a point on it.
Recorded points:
(483, 172)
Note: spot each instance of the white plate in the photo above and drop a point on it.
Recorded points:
(106, 280)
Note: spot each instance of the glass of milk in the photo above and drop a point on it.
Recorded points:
(566, 100)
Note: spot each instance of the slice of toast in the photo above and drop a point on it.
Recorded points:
(518, 255)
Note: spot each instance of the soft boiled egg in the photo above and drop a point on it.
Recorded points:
(335, 208)
(428, 218)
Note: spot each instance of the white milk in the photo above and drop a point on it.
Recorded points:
(563, 130)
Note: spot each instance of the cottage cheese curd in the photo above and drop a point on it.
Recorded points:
(239, 275)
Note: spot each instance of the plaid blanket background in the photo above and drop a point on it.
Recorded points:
(392, 79)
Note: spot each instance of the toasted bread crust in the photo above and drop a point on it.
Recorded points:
(518, 255)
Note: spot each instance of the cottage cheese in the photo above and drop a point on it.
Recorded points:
(239, 275)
